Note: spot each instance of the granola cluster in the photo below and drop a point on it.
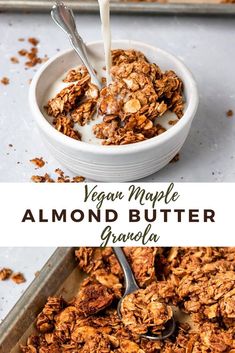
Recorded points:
(130, 106)
(205, 282)
(143, 312)
(139, 94)
(75, 104)
(193, 279)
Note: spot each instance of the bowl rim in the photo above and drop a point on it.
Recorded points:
(141, 146)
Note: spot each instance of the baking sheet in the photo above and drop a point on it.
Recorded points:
(203, 7)
(60, 276)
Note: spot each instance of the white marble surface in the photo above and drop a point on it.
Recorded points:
(25, 260)
(206, 45)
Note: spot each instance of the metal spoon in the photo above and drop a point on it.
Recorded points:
(64, 18)
(130, 287)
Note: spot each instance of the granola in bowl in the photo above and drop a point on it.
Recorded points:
(140, 103)
(73, 141)
(175, 276)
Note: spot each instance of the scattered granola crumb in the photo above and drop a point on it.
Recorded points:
(176, 158)
(18, 278)
(78, 179)
(5, 273)
(59, 171)
(32, 54)
(33, 58)
(229, 113)
(33, 41)
(21, 39)
(46, 178)
(42, 178)
(10, 145)
(38, 162)
(22, 52)
(5, 81)
(14, 60)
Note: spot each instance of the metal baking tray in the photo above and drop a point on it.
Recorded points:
(195, 7)
(59, 276)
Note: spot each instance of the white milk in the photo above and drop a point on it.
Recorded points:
(105, 21)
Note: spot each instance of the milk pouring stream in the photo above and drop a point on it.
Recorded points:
(106, 31)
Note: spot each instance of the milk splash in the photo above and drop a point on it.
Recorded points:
(106, 31)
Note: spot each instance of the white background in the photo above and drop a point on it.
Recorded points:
(71, 196)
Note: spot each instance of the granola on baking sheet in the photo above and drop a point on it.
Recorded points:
(142, 311)
(198, 281)
(131, 106)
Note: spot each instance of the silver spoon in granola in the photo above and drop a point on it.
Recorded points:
(63, 16)
(161, 324)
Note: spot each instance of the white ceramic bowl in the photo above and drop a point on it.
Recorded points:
(113, 163)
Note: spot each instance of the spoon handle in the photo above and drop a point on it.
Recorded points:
(130, 282)
(64, 18)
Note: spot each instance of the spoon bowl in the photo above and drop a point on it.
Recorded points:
(130, 287)
(64, 18)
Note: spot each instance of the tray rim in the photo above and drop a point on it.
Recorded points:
(35, 296)
(123, 8)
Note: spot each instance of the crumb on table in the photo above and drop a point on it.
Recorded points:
(5, 81)
(229, 113)
(38, 162)
(5, 273)
(61, 178)
(18, 278)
